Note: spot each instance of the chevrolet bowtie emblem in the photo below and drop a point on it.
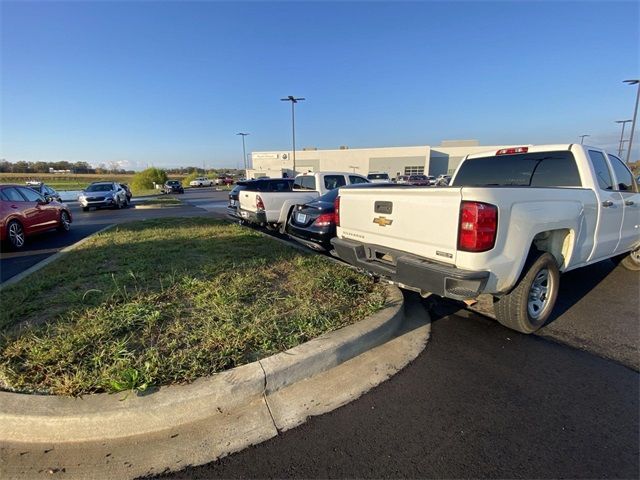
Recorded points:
(382, 221)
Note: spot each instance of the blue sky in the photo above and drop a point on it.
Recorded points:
(171, 83)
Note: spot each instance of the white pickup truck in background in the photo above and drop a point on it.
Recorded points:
(271, 208)
(507, 225)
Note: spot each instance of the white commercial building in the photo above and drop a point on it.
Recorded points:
(395, 161)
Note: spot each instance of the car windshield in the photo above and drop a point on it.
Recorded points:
(417, 177)
(173, 182)
(99, 187)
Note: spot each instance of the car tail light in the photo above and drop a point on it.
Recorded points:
(511, 151)
(324, 220)
(259, 203)
(336, 211)
(478, 226)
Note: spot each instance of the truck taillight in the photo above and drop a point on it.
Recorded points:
(336, 210)
(259, 203)
(324, 220)
(478, 226)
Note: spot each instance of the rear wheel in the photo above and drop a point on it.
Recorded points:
(15, 235)
(631, 260)
(528, 306)
(65, 222)
(85, 209)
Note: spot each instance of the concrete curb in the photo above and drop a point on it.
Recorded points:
(213, 416)
(48, 260)
(158, 205)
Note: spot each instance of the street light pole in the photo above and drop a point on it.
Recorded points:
(635, 114)
(293, 101)
(582, 138)
(244, 154)
(623, 122)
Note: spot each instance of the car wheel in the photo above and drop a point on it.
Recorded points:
(65, 222)
(15, 235)
(85, 209)
(631, 261)
(528, 306)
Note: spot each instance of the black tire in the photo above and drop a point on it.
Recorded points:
(528, 306)
(85, 209)
(631, 261)
(15, 235)
(65, 222)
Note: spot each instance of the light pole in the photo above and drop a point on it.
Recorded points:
(582, 138)
(244, 153)
(635, 114)
(623, 122)
(293, 101)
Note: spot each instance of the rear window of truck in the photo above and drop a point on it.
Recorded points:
(543, 169)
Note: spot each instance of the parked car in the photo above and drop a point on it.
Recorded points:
(313, 223)
(127, 190)
(172, 186)
(379, 177)
(24, 212)
(201, 182)
(46, 191)
(510, 222)
(271, 208)
(402, 179)
(443, 180)
(419, 180)
(232, 206)
(103, 194)
(224, 181)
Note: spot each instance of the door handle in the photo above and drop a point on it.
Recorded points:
(14, 206)
(628, 202)
(607, 203)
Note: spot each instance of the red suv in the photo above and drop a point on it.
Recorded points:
(24, 211)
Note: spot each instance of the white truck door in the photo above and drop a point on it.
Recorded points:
(610, 209)
(630, 231)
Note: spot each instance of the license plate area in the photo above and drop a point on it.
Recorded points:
(301, 218)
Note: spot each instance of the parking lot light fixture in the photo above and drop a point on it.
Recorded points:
(582, 138)
(623, 122)
(635, 115)
(293, 101)
(244, 153)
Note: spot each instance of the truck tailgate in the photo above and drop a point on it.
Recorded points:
(423, 221)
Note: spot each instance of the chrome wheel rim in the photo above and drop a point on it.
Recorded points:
(64, 220)
(635, 256)
(16, 235)
(539, 293)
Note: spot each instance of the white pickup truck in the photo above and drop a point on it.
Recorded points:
(508, 224)
(271, 207)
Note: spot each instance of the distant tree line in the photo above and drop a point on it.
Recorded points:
(84, 167)
(44, 167)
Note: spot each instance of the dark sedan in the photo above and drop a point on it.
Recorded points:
(313, 224)
(172, 186)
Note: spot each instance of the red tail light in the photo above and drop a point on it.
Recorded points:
(336, 211)
(511, 151)
(478, 226)
(324, 220)
(259, 203)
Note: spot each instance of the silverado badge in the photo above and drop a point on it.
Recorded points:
(382, 221)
